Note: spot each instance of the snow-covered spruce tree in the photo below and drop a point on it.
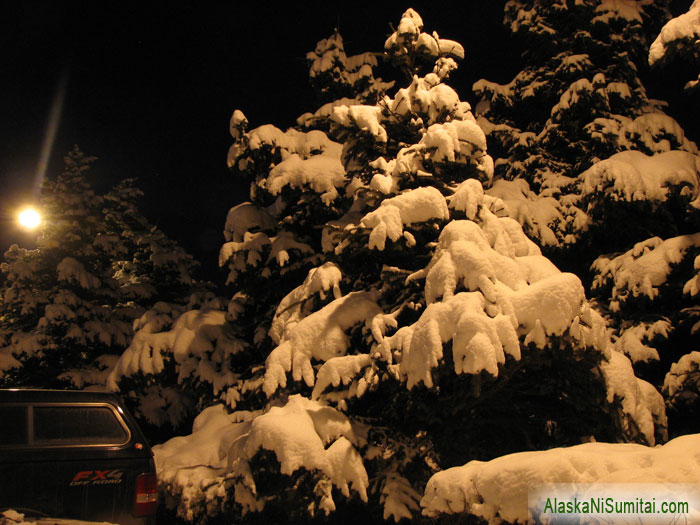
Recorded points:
(677, 279)
(646, 288)
(395, 321)
(154, 274)
(148, 265)
(590, 165)
(68, 306)
(209, 351)
(579, 100)
(60, 308)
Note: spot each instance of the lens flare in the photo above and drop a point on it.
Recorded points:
(51, 129)
(29, 219)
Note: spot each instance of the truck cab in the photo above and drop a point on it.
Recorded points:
(74, 454)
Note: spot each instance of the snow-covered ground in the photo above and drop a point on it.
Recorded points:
(497, 490)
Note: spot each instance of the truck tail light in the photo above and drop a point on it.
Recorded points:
(146, 497)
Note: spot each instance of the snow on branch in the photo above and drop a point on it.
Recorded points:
(294, 306)
(634, 176)
(69, 269)
(201, 343)
(302, 434)
(415, 206)
(680, 35)
(640, 271)
(245, 217)
(322, 173)
(409, 37)
(321, 336)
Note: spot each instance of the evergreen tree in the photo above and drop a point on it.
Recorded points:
(68, 306)
(389, 319)
(596, 173)
(579, 100)
(675, 292)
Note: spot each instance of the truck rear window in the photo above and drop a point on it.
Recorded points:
(61, 425)
(14, 425)
(77, 425)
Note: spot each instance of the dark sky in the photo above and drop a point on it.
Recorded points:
(149, 89)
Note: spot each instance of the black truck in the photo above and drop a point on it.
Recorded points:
(74, 454)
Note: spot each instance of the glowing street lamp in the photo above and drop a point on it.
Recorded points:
(29, 218)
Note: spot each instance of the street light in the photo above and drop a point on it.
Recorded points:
(29, 218)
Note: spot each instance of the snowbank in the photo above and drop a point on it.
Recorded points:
(192, 469)
(497, 490)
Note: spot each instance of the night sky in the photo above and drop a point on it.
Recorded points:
(149, 89)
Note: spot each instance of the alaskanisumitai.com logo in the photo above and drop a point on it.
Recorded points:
(613, 506)
(638, 503)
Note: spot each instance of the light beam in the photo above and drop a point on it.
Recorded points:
(51, 129)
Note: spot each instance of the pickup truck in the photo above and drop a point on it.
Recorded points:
(75, 454)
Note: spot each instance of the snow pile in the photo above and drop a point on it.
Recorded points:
(640, 271)
(497, 490)
(192, 469)
(12, 517)
(302, 434)
(634, 176)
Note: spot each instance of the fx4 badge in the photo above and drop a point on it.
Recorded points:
(97, 477)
